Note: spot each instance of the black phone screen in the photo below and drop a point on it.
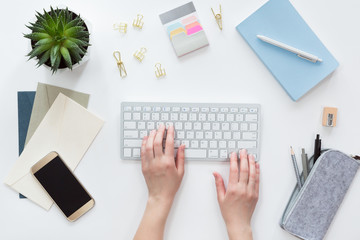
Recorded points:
(62, 186)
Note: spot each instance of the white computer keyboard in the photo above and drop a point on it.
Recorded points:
(210, 131)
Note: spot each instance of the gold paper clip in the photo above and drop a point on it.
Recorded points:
(218, 17)
(159, 72)
(120, 64)
(137, 23)
(121, 27)
(140, 54)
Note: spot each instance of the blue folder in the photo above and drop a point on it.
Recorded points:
(279, 20)
(25, 105)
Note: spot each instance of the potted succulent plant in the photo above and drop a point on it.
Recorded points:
(59, 39)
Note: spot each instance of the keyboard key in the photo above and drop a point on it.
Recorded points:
(249, 135)
(224, 110)
(222, 144)
(136, 152)
(178, 126)
(223, 153)
(157, 109)
(127, 108)
(206, 126)
(127, 116)
(205, 109)
(143, 134)
(131, 134)
(177, 143)
(234, 126)
(137, 109)
(251, 117)
(218, 135)
(185, 109)
(243, 110)
(216, 126)
(183, 117)
(188, 126)
(202, 117)
(164, 116)
(243, 126)
(227, 135)
(127, 152)
(197, 126)
(230, 117)
(221, 117)
(213, 153)
(176, 109)
(214, 109)
(155, 116)
(174, 116)
(211, 117)
(195, 153)
(234, 110)
(166, 109)
(146, 116)
(147, 109)
(180, 134)
(190, 135)
(194, 144)
(129, 125)
(199, 135)
(253, 127)
(239, 117)
(208, 135)
(231, 144)
(225, 126)
(150, 125)
(195, 109)
(236, 135)
(204, 144)
(213, 144)
(246, 144)
(141, 125)
(192, 117)
(186, 143)
(132, 143)
(253, 110)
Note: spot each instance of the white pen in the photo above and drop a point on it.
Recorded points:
(299, 53)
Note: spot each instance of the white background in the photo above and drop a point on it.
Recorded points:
(226, 71)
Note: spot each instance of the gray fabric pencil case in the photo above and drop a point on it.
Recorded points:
(311, 209)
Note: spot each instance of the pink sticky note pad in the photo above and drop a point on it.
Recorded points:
(188, 20)
(195, 29)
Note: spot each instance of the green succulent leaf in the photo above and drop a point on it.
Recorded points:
(44, 58)
(54, 54)
(38, 50)
(37, 36)
(73, 31)
(44, 41)
(56, 64)
(66, 55)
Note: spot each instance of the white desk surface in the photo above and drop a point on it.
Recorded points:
(226, 71)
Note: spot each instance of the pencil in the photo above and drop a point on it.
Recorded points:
(296, 169)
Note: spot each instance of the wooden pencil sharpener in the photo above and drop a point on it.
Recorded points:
(329, 117)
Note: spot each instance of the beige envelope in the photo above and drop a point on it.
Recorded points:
(44, 98)
(68, 129)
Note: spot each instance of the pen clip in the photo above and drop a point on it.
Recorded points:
(309, 59)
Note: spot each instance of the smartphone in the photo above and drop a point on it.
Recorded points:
(62, 186)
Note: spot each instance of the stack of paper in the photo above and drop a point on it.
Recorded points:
(67, 128)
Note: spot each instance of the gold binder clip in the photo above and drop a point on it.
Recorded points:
(137, 23)
(140, 54)
(121, 27)
(159, 72)
(120, 64)
(218, 17)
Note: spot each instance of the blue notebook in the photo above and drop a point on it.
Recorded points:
(278, 19)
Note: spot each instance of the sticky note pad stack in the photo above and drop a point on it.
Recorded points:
(184, 29)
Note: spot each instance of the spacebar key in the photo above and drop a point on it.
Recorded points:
(194, 153)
